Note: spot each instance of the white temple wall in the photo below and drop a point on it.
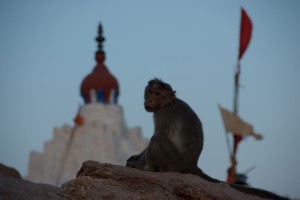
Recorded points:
(103, 137)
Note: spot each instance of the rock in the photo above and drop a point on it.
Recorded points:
(9, 171)
(112, 182)
(106, 181)
(18, 189)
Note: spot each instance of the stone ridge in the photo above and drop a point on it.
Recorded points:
(105, 181)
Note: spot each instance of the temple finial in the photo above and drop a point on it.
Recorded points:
(100, 39)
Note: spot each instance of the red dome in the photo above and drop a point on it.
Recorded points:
(104, 84)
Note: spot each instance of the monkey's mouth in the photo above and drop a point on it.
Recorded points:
(149, 109)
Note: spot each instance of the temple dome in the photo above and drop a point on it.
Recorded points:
(100, 85)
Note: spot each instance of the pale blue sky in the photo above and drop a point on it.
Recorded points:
(47, 48)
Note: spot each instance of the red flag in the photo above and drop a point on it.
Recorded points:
(237, 140)
(245, 34)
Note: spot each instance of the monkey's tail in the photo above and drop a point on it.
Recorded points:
(244, 189)
(258, 192)
(200, 173)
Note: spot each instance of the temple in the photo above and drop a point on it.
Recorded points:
(99, 132)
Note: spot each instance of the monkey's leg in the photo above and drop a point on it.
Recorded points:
(153, 155)
(161, 154)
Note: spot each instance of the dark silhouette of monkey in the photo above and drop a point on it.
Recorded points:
(177, 141)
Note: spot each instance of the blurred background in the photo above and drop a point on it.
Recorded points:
(47, 48)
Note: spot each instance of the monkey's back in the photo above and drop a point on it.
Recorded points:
(184, 125)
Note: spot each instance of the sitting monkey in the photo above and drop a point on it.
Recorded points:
(177, 141)
(178, 136)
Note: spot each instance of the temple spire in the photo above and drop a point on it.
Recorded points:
(100, 39)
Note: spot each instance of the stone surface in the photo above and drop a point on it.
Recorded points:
(112, 182)
(9, 171)
(103, 137)
(106, 181)
(12, 188)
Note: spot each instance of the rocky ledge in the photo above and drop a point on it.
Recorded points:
(105, 181)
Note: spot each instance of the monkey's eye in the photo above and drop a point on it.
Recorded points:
(154, 92)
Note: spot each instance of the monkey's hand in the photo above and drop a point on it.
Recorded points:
(136, 161)
(133, 158)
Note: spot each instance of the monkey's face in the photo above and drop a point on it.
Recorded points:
(155, 98)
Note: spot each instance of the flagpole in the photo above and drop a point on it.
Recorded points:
(245, 36)
(235, 100)
(236, 89)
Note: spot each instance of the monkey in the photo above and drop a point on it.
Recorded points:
(178, 138)
(169, 149)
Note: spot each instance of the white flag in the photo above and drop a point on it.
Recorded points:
(236, 125)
